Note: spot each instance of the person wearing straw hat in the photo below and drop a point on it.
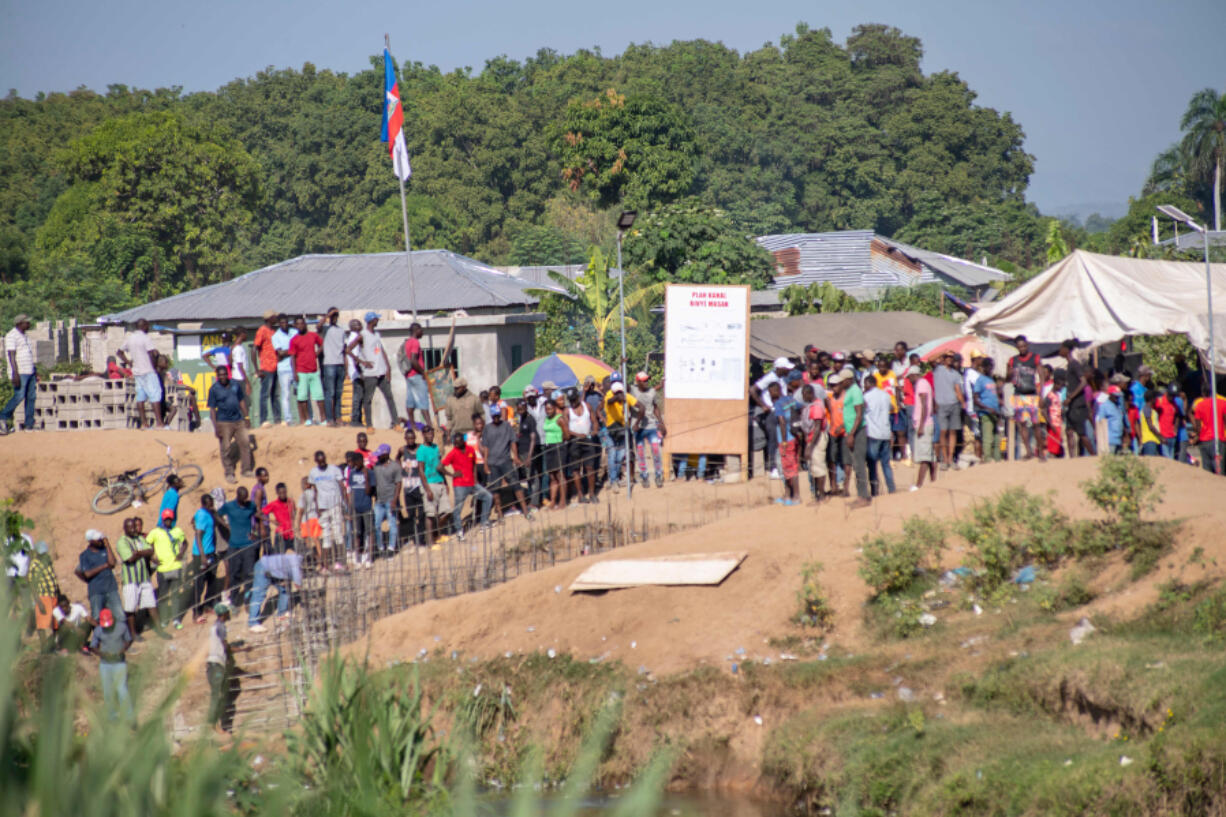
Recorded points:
(19, 354)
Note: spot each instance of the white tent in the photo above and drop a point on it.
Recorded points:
(1103, 298)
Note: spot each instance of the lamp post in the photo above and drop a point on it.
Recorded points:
(624, 222)
(1179, 216)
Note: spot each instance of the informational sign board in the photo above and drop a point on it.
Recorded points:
(706, 368)
(706, 335)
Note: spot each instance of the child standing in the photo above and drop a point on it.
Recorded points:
(308, 522)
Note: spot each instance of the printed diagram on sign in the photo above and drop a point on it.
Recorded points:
(711, 350)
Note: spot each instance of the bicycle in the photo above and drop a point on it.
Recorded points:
(121, 490)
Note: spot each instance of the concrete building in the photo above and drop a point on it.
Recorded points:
(493, 314)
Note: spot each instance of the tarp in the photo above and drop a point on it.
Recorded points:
(843, 331)
(1103, 298)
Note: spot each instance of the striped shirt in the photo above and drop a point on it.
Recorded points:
(135, 572)
(18, 342)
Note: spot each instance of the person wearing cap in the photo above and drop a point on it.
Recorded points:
(620, 410)
(760, 394)
(461, 406)
(94, 568)
(19, 354)
(110, 642)
(304, 350)
(411, 361)
(650, 428)
(1111, 412)
(169, 546)
(217, 664)
(502, 461)
(384, 486)
(856, 435)
(375, 369)
(266, 360)
(136, 591)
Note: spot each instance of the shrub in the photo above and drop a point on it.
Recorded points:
(1209, 616)
(1011, 530)
(897, 616)
(815, 609)
(1072, 592)
(889, 563)
(1124, 488)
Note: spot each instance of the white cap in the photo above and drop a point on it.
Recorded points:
(836, 378)
(93, 535)
(782, 363)
(617, 387)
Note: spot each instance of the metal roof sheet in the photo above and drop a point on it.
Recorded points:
(309, 284)
(845, 259)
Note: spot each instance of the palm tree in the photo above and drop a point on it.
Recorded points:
(1204, 142)
(595, 294)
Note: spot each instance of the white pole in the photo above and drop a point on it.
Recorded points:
(621, 308)
(1217, 444)
(408, 252)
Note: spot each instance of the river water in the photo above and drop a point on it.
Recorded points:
(671, 805)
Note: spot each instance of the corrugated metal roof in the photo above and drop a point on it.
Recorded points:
(539, 275)
(309, 284)
(845, 259)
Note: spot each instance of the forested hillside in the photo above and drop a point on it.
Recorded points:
(131, 194)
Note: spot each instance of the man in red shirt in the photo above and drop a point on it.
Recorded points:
(462, 460)
(1203, 428)
(412, 365)
(266, 356)
(1167, 406)
(304, 349)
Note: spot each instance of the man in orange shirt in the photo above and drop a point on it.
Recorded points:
(267, 357)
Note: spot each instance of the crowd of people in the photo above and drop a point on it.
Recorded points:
(842, 415)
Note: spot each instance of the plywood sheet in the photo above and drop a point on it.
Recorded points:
(682, 569)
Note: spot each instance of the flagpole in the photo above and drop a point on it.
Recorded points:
(404, 213)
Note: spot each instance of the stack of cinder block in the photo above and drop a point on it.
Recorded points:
(99, 403)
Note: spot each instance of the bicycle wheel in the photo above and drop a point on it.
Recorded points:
(192, 477)
(113, 498)
(153, 482)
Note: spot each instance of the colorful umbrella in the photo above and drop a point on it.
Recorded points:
(564, 370)
(963, 346)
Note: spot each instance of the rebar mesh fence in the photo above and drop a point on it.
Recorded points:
(334, 607)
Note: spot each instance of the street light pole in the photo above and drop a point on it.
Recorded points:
(1178, 215)
(624, 222)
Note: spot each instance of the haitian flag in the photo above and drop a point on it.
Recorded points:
(393, 120)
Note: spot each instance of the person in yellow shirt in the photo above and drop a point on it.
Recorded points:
(886, 380)
(616, 404)
(169, 545)
(1150, 436)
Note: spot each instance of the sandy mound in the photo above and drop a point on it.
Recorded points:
(672, 629)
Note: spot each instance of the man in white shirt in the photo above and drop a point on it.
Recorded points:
(19, 354)
(760, 394)
(375, 369)
(971, 417)
(877, 422)
(240, 369)
(285, 364)
(135, 354)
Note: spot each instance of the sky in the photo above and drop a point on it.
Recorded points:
(1098, 85)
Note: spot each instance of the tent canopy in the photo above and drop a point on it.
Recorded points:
(848, 331)
(1103, 298)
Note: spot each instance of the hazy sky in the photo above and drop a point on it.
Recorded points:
(1098, 85)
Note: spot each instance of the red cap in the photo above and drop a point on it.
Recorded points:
(1113, 390)
(168, 514)
(105, 618)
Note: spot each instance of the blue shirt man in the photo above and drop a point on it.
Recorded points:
(239, 516)
(206, 543)
(1110, 411)
(225, 401)
(170, 502)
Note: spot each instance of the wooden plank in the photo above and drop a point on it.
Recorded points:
(678, 570)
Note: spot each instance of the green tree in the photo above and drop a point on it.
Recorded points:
(632, 150)
(595, 296)
(1057, 248)
(1204, 142)
(688, 242)
(190, 190)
